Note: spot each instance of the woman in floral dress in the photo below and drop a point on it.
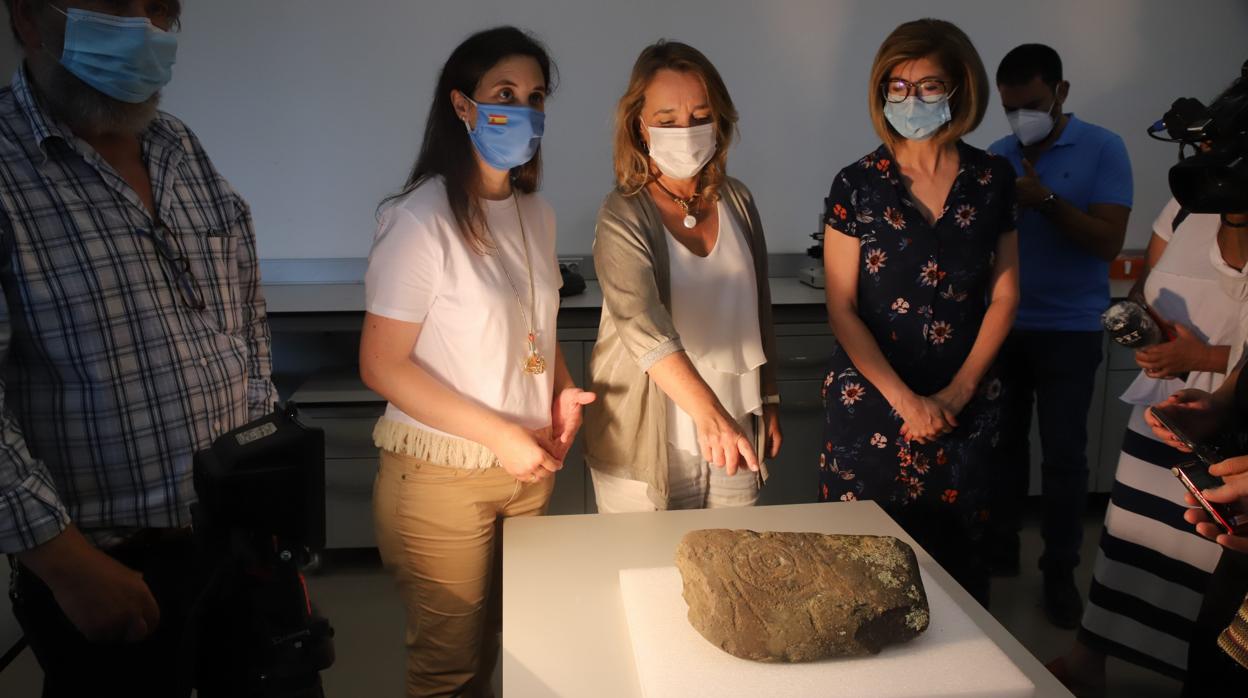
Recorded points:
(922, 283)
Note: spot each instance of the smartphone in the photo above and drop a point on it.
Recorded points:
(1196, 478)
(1188, 431)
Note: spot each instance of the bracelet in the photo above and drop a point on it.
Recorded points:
(771, 399)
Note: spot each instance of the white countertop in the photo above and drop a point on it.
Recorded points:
(564, 629)
(341, 291)
(349, 297)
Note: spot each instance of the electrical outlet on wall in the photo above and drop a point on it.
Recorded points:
(572, 264)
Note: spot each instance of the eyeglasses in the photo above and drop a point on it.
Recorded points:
(929, 90)
(178, 265)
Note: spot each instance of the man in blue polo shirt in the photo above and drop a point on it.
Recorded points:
(1074, 194)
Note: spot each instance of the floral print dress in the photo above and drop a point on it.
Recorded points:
(922, 292)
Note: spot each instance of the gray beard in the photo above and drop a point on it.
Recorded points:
(86, 110)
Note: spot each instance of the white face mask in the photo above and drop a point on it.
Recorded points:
(1030, 126)
(681, 153)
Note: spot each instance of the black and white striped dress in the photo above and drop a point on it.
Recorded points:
(1152, 567)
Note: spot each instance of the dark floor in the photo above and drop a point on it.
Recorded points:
(357, 596)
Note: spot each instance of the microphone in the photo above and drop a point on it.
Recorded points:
(1130, 324)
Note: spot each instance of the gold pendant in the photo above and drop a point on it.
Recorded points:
(534, 364)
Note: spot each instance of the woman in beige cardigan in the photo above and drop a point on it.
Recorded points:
(683, 364)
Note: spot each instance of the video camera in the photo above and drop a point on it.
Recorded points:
(260, 514)
(1214, 179)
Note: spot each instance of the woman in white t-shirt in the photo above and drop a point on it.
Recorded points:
(462, 293)
(1152, 568)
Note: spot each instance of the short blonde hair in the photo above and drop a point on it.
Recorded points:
(953, 50)
(632, 164)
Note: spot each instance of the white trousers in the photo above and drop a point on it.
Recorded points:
(692, 484)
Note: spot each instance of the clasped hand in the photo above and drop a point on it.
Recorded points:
(925, 419)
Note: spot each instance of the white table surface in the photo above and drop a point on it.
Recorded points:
(564, 629)
(349, 296)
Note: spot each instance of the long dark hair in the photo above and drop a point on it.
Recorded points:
(447, 151)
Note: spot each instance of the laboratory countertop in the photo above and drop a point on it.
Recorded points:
(345, 296)
(348, 297)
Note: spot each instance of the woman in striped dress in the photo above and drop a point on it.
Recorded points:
(1152, 567)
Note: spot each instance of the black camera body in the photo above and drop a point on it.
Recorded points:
(268, 475)
(260, 513)
(1215, 178)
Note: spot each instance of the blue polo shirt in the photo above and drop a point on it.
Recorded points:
(1063, 286)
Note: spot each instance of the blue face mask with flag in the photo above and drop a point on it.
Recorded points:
(915, 119)
(126, 58)
(507, 136)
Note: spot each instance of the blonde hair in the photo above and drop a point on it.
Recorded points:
(953, 50)
(632, 163)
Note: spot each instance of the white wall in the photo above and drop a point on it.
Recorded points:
(314, 108)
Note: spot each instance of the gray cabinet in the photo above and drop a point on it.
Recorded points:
(349, 502)
(794, 476)
(1115, 413)
(350, 464)
(803, 352)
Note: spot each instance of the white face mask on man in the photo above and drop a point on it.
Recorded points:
(681, 153)
(1031, 126)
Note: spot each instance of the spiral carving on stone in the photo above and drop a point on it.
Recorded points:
(773, 567)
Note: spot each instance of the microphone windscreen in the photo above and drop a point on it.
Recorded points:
(1130, 324)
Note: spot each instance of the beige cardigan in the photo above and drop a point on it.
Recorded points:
(626, 428)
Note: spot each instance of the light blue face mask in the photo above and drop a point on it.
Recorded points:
(507, 136)
(915, 119)
(126, 58)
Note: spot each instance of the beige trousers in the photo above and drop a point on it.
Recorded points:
(438, 531)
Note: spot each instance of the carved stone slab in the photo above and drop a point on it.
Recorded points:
(797, 597)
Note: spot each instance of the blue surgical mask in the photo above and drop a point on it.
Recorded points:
(915, 119)
(126, 58)
(507, 136)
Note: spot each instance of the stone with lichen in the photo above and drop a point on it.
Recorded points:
(796, 597)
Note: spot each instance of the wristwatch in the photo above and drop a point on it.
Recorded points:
(1047, 204)
(771, 399)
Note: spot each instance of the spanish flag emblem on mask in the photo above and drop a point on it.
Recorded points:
(496, 120)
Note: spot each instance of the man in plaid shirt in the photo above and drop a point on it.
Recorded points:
(132, 333)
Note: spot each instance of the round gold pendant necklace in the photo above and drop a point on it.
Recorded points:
(687, 205)
(533, 363)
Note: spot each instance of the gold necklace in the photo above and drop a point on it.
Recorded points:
(533, 363)
(690, 220)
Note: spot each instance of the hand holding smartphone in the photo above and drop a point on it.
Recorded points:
(1195, 476)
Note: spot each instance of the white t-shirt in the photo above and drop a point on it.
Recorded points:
(1185, 287)
(715, 311)
(473, 336)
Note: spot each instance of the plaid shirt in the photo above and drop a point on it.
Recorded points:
(110, 378)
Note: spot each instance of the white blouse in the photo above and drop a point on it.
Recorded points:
(715, 311)
(1188, 286)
